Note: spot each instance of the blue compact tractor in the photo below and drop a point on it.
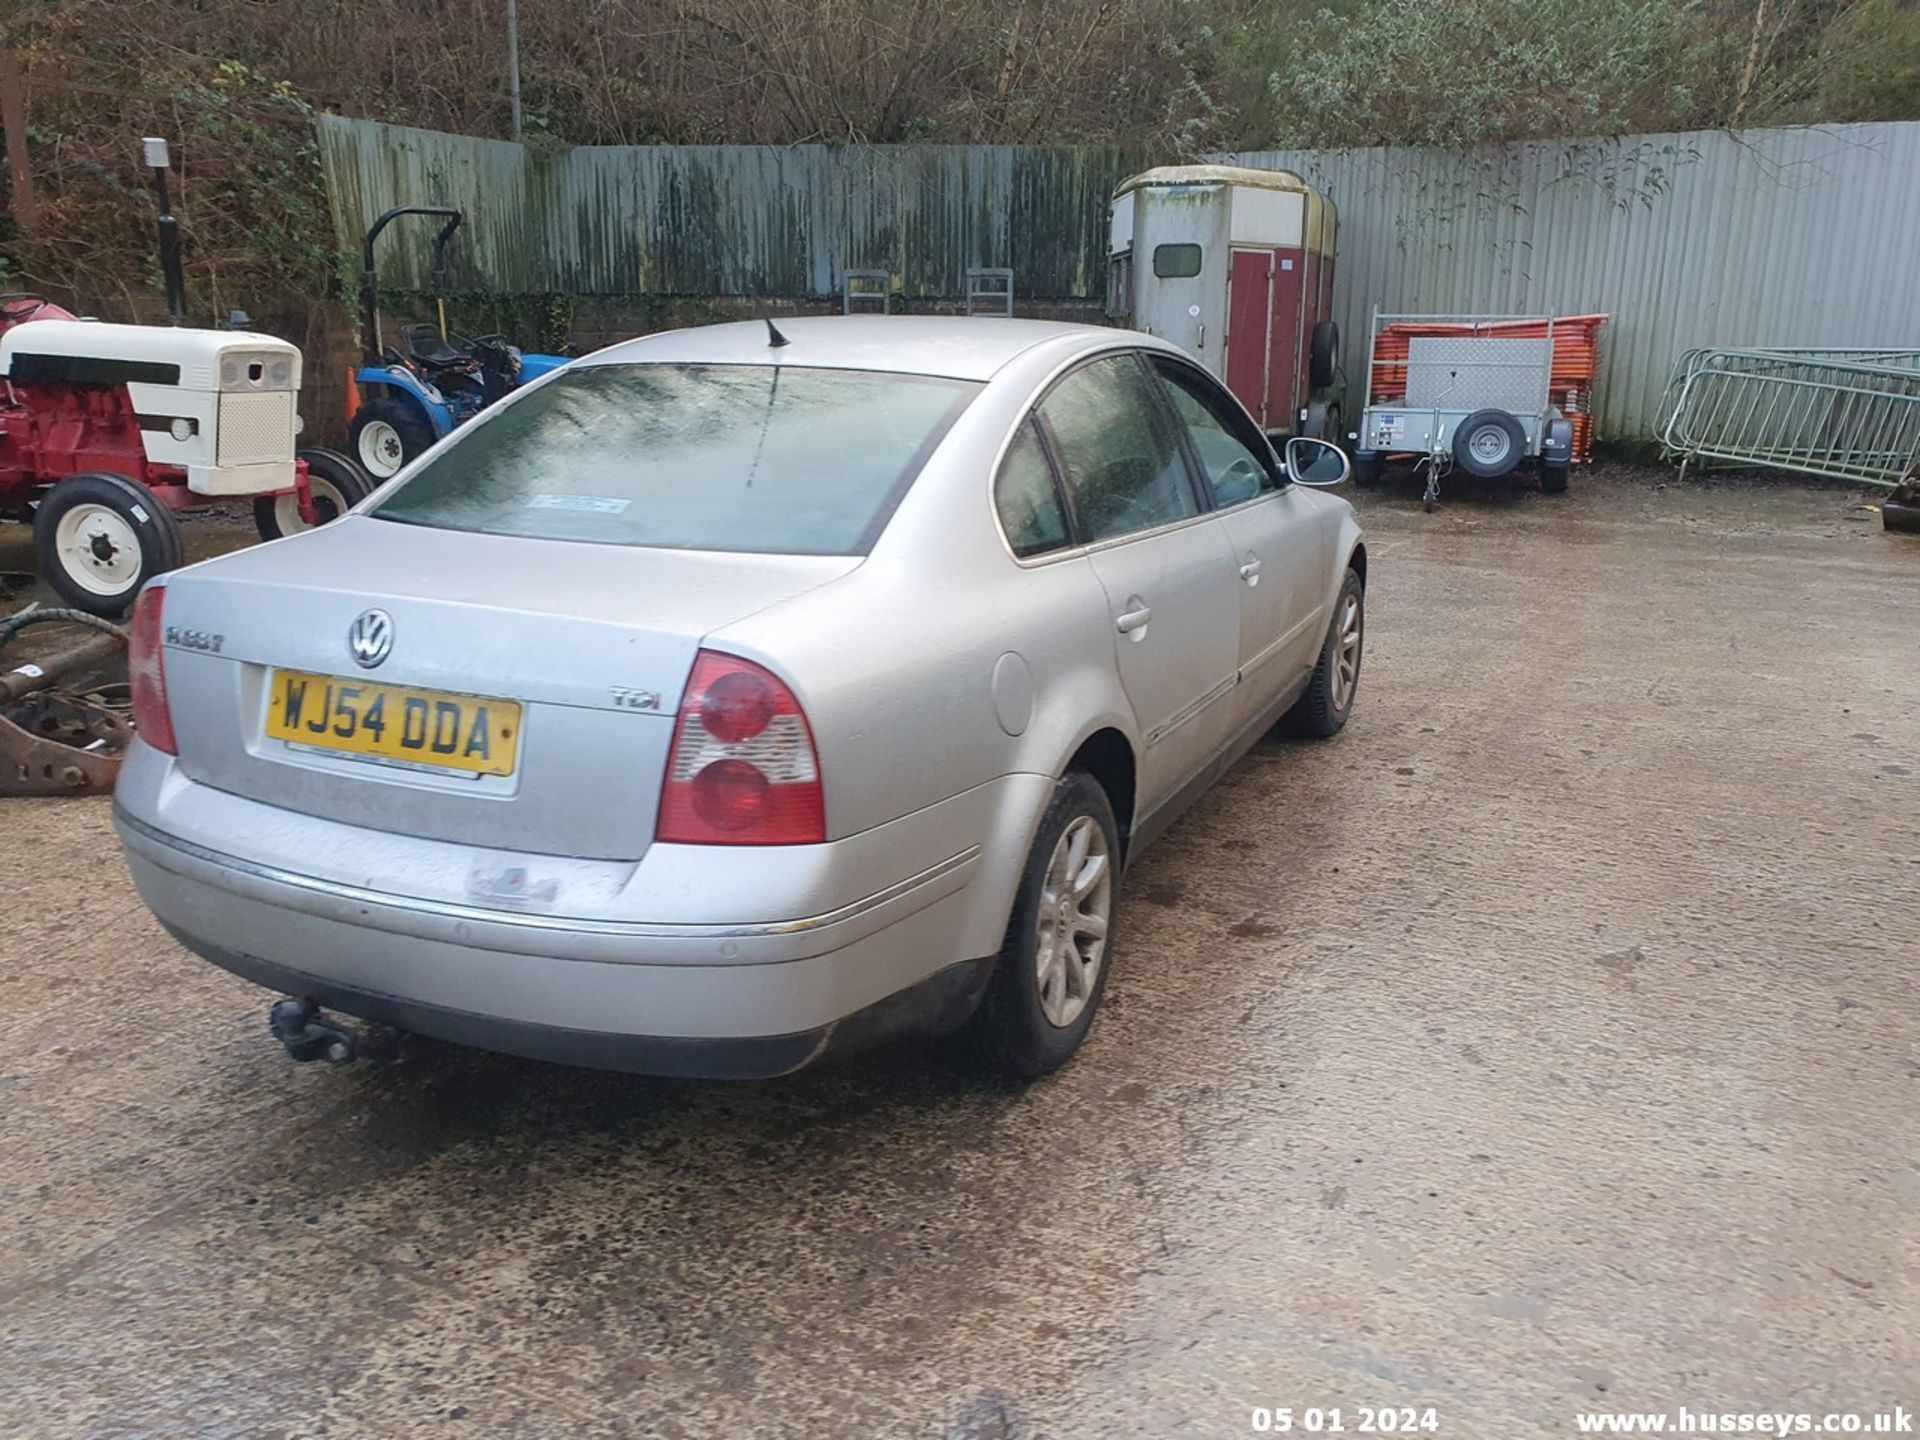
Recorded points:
(411, 395)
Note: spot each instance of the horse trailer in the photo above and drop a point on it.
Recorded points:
(1236, 266)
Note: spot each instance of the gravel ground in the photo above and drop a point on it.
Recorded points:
(1547, 1041)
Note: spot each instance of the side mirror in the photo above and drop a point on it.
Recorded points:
(1316, 462)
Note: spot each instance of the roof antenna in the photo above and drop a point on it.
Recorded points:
(774, 338)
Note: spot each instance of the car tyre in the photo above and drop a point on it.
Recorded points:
(387, 434)
(100, 537)
(1329, 696)
(1051, 972)
(334, 481)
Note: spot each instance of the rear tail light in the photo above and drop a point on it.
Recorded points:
(147, 669)
(743, 770)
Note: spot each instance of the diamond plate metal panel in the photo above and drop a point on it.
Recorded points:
(1464, 373)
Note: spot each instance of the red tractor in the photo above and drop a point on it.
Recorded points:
(106, 431)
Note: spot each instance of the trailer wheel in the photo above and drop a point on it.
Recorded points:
(334, 481)
(1324, 422)
(1489, 444)
(1553, 477)
(1323, 355)
(386, 434)
(100, 537)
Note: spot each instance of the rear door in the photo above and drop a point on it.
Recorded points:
(1249, 313)
(1274, 531)
(1161, 557)
(1287, 369)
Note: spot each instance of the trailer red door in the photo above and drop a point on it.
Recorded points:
(1290, 338)
(1249, 305)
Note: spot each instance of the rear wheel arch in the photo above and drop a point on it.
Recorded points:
(1108, 757)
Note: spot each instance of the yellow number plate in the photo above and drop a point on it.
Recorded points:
(390, 722)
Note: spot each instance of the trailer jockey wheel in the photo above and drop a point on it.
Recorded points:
(335, 485)
(100, 537)
(386, 434)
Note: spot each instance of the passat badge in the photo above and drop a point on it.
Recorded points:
(370, 638)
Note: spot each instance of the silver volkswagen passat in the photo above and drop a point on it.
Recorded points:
(729, 698)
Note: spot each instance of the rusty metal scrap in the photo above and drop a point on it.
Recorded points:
(56, 740)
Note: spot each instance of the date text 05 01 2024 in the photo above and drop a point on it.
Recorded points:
(1335, 1420)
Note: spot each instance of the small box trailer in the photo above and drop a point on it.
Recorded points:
(1236, 266)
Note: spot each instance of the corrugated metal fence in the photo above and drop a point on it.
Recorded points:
(1766, 237)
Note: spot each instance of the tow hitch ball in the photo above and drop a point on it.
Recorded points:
(309, 1035)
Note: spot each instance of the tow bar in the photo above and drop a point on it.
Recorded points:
(308, 1035)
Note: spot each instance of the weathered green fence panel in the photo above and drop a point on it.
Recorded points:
(765, 220)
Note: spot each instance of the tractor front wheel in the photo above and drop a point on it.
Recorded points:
(386, 434)
(100, 537)
(335, 484)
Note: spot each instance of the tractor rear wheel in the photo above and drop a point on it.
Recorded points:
(100, 537)
(336, 485)
(386, 434)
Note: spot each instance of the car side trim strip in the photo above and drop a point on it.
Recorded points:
(1279, 645)
(1188, 712)
(631, 929)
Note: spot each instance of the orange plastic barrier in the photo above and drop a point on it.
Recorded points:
(1576, 361)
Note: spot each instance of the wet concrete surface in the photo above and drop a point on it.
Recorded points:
(1546, 1041)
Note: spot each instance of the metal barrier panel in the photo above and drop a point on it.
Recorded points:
(1849, 414)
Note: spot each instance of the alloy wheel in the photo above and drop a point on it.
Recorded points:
(1076, 909)
(1346, 652)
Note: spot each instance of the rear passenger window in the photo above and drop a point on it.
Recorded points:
(1123, 465)
(1026, 497)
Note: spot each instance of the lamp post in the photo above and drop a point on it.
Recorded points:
(513, 63)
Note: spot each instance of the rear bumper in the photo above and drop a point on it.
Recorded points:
(523, 993)
(401, 931)
(933, 1006)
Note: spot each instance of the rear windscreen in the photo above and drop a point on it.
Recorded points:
(690, 457)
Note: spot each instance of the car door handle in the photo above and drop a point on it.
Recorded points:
(1250, 572)
(1132, 620)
